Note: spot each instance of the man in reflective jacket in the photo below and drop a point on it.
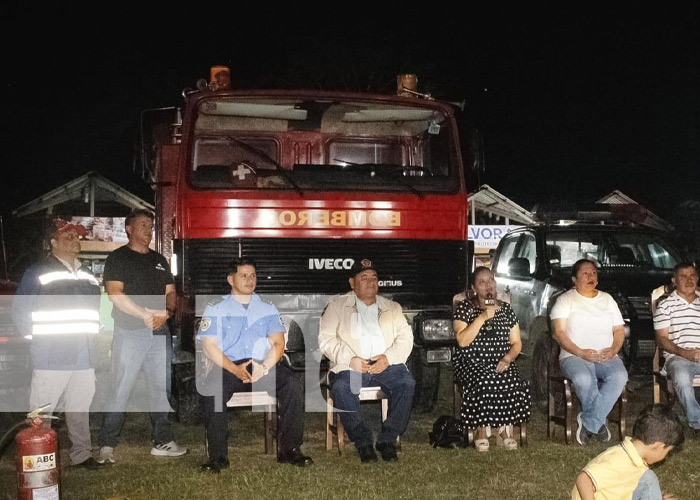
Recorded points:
(57, 306)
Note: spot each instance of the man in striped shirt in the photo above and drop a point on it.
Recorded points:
(677, 325)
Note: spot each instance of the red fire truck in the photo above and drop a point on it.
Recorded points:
(306, 182)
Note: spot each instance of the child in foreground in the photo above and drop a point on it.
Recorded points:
(622, 472)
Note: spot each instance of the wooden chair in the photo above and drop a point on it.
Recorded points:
(562, 404)
(269, 403)
(662, 382)
(334, 426)
(520, 430)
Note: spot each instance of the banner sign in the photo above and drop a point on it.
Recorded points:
(488, 236)
(101, 228)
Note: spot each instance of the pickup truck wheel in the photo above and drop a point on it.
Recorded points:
(427, 376)
(540, 366)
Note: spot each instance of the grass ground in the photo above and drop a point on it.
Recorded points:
(545, 469)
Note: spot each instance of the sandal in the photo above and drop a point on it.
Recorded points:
(505, 438)
(482, 444)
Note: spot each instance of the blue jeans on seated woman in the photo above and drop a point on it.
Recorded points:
(597, 385)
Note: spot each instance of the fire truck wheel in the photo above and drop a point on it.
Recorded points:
(185, 394)
(427, 376)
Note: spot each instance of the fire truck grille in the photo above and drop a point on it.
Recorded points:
(320, 266)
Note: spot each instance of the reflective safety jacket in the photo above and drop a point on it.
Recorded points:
(60, 311)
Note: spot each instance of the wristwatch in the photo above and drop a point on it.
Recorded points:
(265, 370)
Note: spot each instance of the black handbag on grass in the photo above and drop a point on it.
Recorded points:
(447, 433)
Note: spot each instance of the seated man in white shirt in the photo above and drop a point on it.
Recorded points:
(368, 340)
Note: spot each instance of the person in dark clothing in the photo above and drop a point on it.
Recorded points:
(142, 289)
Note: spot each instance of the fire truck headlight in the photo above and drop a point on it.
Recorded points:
(437, 329)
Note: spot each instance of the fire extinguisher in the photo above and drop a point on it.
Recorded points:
(37, 459)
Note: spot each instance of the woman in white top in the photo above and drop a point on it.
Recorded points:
(590, 331)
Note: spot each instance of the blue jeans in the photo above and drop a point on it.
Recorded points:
(682, 371)
(597, 385)
(134, 351)
(398, 385)
(648, 487)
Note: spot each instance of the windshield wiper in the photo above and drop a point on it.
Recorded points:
(265, 156)
(383, 171)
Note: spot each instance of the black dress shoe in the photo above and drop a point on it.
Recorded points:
(215, 466)
(89, 464)
(367, 454)
(294, 457)
(388, 451)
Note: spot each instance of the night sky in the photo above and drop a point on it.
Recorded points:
(567, 110)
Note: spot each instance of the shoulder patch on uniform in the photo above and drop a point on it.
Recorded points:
(205, 324)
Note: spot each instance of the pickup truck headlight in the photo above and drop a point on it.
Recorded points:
(437, 329)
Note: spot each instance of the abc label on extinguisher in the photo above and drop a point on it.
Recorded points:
(36, 463)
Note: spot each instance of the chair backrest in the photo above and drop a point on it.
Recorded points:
(658, 295)
(553, 350)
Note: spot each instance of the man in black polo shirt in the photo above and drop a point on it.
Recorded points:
(142, 289)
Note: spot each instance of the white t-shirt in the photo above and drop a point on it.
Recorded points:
(371, 335)
(589, 321)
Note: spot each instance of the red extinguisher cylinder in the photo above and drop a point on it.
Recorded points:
(37, 463)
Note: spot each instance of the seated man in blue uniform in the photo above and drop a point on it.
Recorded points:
(243, 337)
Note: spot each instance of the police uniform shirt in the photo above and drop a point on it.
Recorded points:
(241, 333)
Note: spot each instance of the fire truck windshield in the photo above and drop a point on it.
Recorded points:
(322, 145)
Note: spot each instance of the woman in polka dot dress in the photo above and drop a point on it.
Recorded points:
(493, 393)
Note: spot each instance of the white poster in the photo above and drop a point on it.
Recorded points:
(101, 228)
(488, 236)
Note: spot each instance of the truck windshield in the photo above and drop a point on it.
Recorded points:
(322, 145)
(611, 249)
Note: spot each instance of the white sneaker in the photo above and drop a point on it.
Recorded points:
(171, 449)
(105, 455)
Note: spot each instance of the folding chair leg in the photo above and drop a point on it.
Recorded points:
(657, 391)
(456, 400)
(270, 429)
(523, 434)
(330, 417)
(568, 413)
(622, 414)
(550, 410)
